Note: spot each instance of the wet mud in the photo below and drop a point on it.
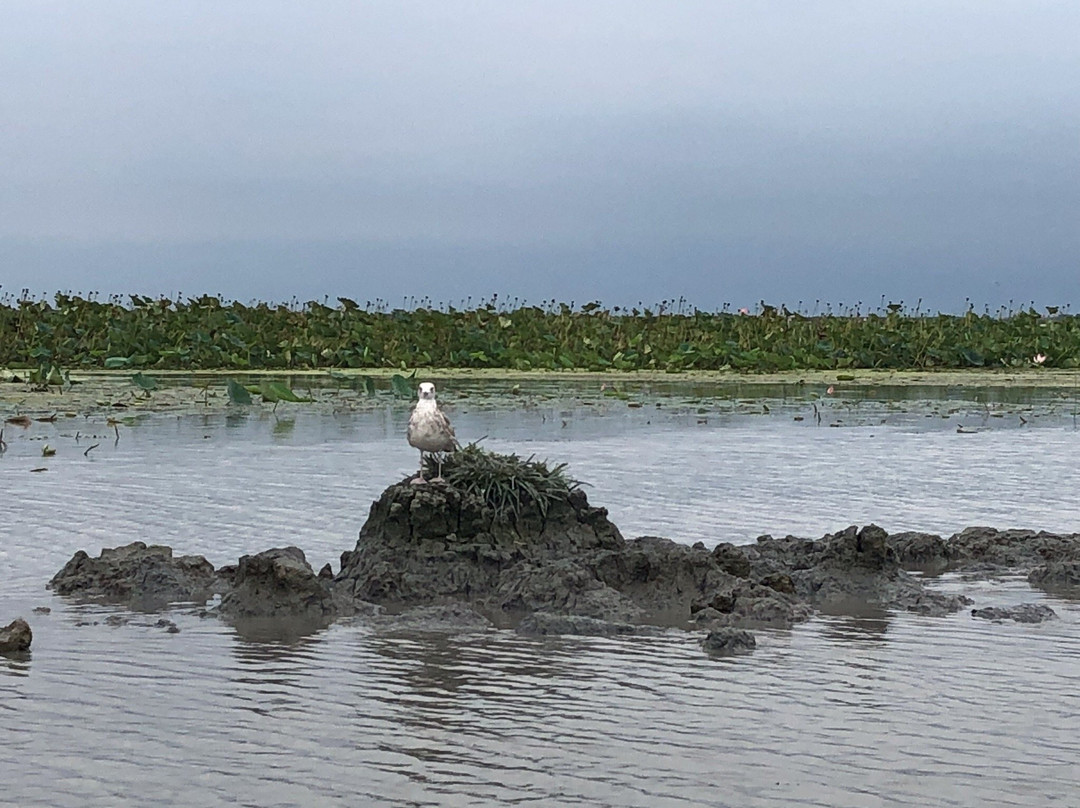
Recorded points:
(432, 556)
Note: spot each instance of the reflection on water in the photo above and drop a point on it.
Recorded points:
(866, 625)
(284, 633)
(872, 709)
(16, 663)
(864, 709)
(259, 643)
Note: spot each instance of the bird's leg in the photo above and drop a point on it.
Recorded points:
(419, 478)
(438, 459)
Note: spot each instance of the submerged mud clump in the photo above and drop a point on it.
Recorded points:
(729, 641)
(1062, 577)
(1024, 613)
(15, 637)
(545, 623)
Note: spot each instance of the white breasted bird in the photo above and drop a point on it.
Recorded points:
(429, 429)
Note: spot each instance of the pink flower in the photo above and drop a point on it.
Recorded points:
(1038, 359)
(744, 311)
(830, 391)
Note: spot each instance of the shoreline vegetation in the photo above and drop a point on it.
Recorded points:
(72, 333)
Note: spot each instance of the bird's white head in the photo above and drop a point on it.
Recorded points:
(427, 391)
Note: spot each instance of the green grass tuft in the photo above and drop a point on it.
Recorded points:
(508, 484)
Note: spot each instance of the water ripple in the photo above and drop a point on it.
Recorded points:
(855, 711)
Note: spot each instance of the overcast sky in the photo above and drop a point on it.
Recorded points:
(621, 151)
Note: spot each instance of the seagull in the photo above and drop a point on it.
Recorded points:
(429, 429)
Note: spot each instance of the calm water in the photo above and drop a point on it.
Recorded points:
(888, 709)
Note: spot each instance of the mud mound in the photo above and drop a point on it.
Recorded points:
(277, 583)
(140, 576)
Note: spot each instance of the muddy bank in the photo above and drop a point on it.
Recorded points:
(115, 393)
(118, 397)
(431, 557)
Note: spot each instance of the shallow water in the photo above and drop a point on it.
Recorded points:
(883, 709)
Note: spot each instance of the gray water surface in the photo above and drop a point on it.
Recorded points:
(882, 709)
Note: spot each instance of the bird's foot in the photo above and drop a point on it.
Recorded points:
(439, 479)
(417, 481)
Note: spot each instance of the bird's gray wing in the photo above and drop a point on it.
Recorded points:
(444, 426)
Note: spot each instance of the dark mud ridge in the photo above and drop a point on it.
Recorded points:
(430, 557)
(1052, 560)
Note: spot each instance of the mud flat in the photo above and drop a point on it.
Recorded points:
(115, 392)
(431, 557)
